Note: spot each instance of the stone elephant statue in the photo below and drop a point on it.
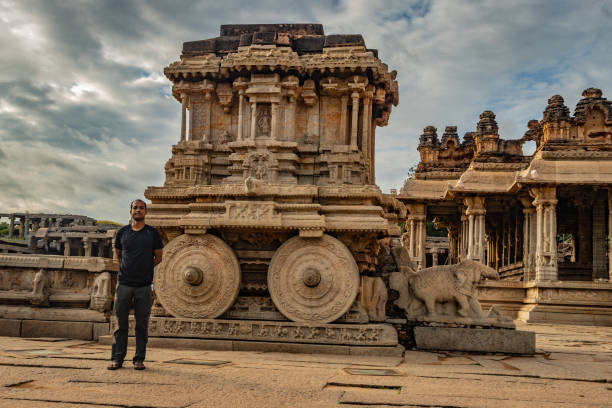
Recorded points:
(448, 287)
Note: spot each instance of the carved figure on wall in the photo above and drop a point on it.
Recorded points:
(258, 165)
(448, 290)
(40, 289)
(101, 293)
(225, 137)
(263, 121)
(374, 297)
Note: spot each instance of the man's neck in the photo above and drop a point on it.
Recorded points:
(137, 225)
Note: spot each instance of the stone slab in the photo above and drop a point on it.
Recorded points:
(10, 327)
(51, 313)
(475, 340)
(276, 332)
(45, 328)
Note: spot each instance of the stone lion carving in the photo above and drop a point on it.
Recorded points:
(40, 289)
(448, 290)
(101, 293)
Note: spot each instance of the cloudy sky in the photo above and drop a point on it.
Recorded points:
(87, 120)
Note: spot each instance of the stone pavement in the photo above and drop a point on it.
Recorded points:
(573, 368)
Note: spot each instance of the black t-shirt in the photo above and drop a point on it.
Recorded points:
(136, 263)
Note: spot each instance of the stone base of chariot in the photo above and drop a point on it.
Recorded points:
(255, 335)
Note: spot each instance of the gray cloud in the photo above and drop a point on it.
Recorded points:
(87, 120)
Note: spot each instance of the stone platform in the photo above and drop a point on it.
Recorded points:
(252, 335)
(560, 302)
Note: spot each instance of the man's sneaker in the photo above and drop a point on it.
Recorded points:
(114, 365)
(139, 365)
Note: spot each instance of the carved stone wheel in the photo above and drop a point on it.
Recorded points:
(313, 280)
(198, 278)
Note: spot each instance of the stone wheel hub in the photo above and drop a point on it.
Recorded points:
(198, 278)
(193, 275)
(312, 277)
(313, 281)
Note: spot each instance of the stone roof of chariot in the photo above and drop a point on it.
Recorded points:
(302, 50)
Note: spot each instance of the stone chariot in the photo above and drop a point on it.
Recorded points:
(269, 208)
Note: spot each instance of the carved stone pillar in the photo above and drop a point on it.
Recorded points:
(355, 120)
(529, 241)
(26, 227)
(183, 116)
(453, 239)
(476, 228)
(290, 119)
(274, 120)
(11, 225)
(240, 114)
(464, 237)
(86, 246)
(191, 116)
(418, 233)
(599, 239)
(365, 122)
(434, 258)
(546, 246)
(253, 118)
(207, 132)
(67, 245)
(343, 118)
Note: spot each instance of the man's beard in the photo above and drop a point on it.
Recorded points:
(138, 217)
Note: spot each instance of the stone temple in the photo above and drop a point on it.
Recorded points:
(541, 221)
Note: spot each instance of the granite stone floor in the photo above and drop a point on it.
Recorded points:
(572, 368)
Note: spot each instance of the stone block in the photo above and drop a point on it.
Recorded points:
(475, 340)
(10, 327)
(43, 328)
(100, 329)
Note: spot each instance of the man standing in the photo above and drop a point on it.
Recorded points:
(139, 248)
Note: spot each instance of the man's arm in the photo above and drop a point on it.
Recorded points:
(117, 255)
(157, 256)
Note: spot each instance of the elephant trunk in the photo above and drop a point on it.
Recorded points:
(489, 273)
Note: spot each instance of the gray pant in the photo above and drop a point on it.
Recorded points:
(125, 298)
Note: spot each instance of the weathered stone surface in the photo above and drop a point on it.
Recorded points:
(49, 328)
(10, 327)
(100, 329)
(475, 340)
(290, 332)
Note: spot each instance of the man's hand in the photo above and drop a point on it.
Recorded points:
(157, 256)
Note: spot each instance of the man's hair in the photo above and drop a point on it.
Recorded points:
(139, 200)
